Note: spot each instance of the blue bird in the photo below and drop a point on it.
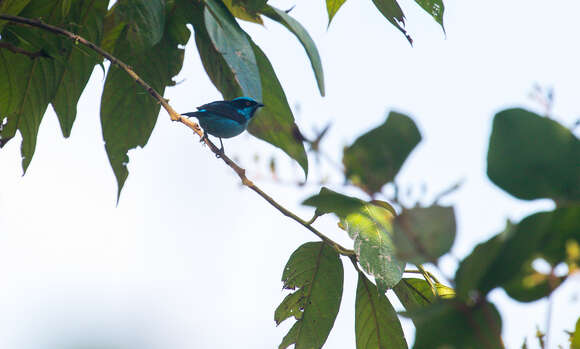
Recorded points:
(225, 119)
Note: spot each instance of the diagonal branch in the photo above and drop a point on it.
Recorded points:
(187, 122)
(18, 50)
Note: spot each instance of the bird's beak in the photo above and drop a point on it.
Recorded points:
(260, 105)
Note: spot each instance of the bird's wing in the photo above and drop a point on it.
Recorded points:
(223, 109)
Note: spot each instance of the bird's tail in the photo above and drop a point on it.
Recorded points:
(193, 113)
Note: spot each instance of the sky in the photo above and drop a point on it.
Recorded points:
(191, 259)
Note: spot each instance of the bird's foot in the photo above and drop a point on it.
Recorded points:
(221, 151)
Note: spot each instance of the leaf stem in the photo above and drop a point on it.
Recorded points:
(186, 121)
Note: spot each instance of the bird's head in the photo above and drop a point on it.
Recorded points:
(246, 106)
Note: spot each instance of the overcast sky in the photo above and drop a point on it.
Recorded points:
(190, 259)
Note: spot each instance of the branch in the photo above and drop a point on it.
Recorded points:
(18, 50)
(187, 122)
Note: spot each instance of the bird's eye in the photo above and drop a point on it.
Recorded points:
(248, 104)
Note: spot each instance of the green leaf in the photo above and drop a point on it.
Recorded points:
(316, 270)
(416, 293)
(145, 23)
(239, 10)
(332, 7)
(235, 47)
(476, 326)
(376, 321)
(505, 258)
(423, 234)
(435, 8)
(252, 6)
(393, 13)
(128, 112)
(371, 230)
(297, 29)
(530, 285)
(11, 7)
(575, 342)
(328, 201)
(79, 64)
(533, 157)
(376, 157)
(274, 123)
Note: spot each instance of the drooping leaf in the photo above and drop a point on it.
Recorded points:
(297, 29)
(393, 13)
(377, 325)
(329, 201)
(476, 326)
(274, 123)
(128, 112)
(423, 234)
(88, 23)
(530, 285)
(371, 230)
(235, 47)
(435, 8)
(316, 272)
(241, 11)
(252, 6)
(533, 157)
(416, 293)
(332, 7)
(11, 7)
(376, 157)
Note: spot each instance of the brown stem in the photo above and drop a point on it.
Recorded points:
(21, 51)
(187, 122)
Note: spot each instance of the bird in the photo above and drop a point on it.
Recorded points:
(225, 119)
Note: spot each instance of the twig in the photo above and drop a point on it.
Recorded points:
(186, 121)
(428, 279)
(18, 50)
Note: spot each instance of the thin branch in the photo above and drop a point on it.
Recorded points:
(187, 122)
(18, 50)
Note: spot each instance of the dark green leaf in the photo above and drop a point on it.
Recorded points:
(274, 123)
(475, 326)
(376, 157)
(435, 8)
(533, 157)
(297, 29)
(11, 7)
(530, 285)
(235, 47)
(371, 230)
(316, 270)
(252, 6)
(393, 13)
(128, 112)
(423, 234)
(240, 10)
(79, 64)
(328, 201)
(332, 7)
(416, 293)
(575, 343)
(376, 322)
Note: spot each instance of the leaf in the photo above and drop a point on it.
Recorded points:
(476, 326)
(533, 157)
(239, 10)
(575, 342)
(234, 46)
(297, 29)
(371, 231)
(316, 270)
(376, 321)
(423, 234)
(128, 112)
(376, 157)
(79, 64)
(332, 7)
(416, 293)
(505, 257)
(11, 7)
(274, 123)
(530, 285)
(328, 201)
(145, 23)
(435, 8)
(393, 13)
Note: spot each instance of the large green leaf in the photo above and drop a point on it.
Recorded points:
(128, 112)
(506, 258)
(371, 230)
(316, 270)
(274, 123)
(423, 234)
(575, 342)
(297, 29)
(234, 46)
(456, 325)
(240, 10)
(529, 285)
(533, 157)
(393, 13)
(417, 293)
(435, 8)
(376, 157)
(11, 7)
(87, 21)
(376, 323)
(328, 201)
(332, 7)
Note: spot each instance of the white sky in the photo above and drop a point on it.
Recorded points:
(189, 259)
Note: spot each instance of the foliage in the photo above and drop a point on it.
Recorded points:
(529, 157)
